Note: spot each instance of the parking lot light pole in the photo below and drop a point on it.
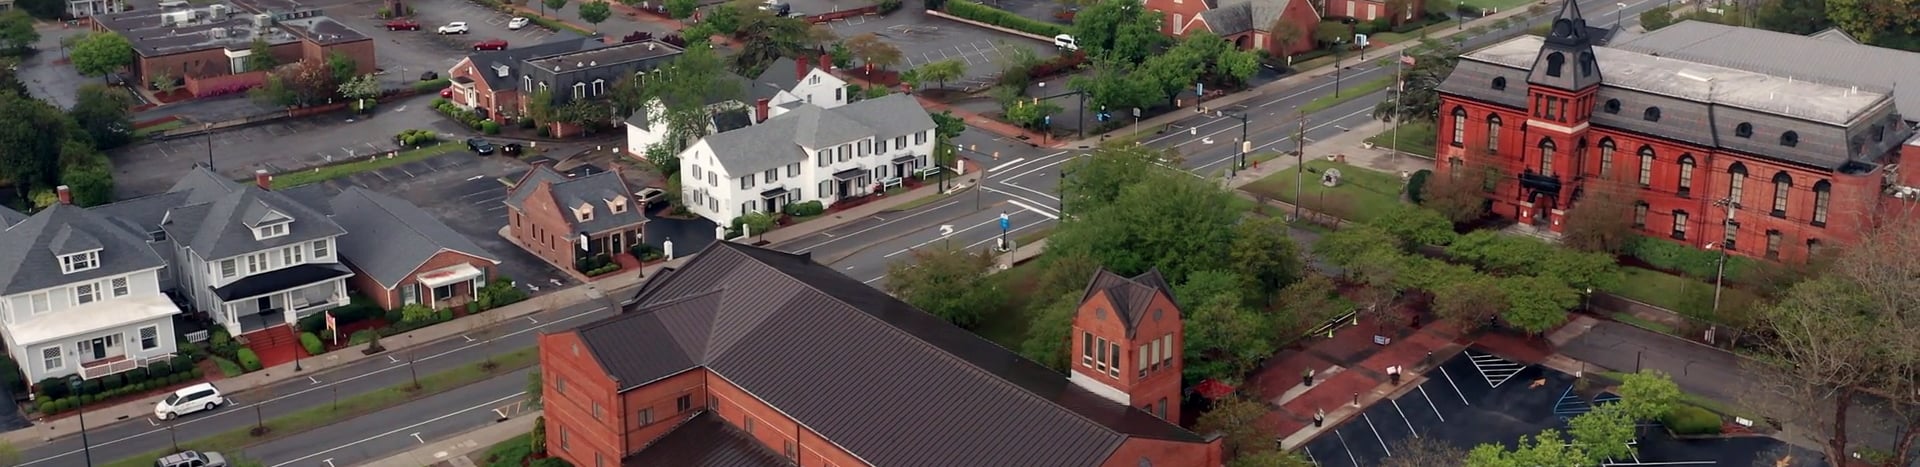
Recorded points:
(207, 130)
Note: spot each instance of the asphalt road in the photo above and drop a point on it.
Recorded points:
(346, 442)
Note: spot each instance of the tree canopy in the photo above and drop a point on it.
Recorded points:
(101, 53)
(1118, 30)
(16, 32)
(950, 284)
(1419, 101)
(102, 113)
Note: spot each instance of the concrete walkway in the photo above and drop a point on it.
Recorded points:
(64, 425)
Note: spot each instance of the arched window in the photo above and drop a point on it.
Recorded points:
(1744, 130)
(1822, 194)
(1736, 183)
(1652, 114)
(1546, 156)
(1640, 214)
(1459, 126)
(1555, 61)
(1790, 139)
(1606, 158)
(1782, 185)
(1499, 83)
(1454, 168)
(1646, 166)
(1493, 134)
(1686, 174)
(1586, 64)
(1612, 106)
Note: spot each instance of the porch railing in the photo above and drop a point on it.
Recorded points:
(118, 366)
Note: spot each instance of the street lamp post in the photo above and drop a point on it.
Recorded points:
(1240, 160)
(1720, 270)
(207, 130)
(1617, 24)
(1081, 112)
(86, 446)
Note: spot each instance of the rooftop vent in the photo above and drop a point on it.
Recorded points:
(262, 21)
(650, 45)
(217, 33)
(220, 10)
(579, 65)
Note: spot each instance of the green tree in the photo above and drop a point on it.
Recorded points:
(1265, 255)
(554, 5)
(595, 12)
(260, 56)
(101, 111)
(1118, 30)
(1030, 114)
(1049, 331)
(1797, 17)
(101, 53)
(90, 184)
(33, 134)
(1459, 200)
(344, 68)
(1601, 222)
(1415, 226)
(678, 9)
(1605, 433)
(686, 89)
(1647, 395)
(1536, 304)
(1284, 34)
(163, 82)
(9, 455)
(1168, 220)
(752, 223)
(1305, 305)
(1271, 459)
(1470, 303)
(43, 9)
(1093, 182)
(951, 284)
(539, 106)
(1343, 246)
(1656, 18)
(1418, 98)
(1876, 21)
(360, 88)
(764, 38)
(1424, 452)
(942, 71)
(273, 92)
(874, 52)
(1549, 448)
(1113, 84)
(16, 32)
(1237, 420)
(1224, 339)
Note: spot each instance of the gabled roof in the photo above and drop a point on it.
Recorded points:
(390, 238)
(782, 140)
(779, 76)
(30, 249)
(559, 43)
(1237, 16)
(706, 440)
(851, 363)
(1836, 35)
(568, 193)
(8, 217)
(1787, 55)
(217, 216)
(1130, 295)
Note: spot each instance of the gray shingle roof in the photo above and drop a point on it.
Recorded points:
(595, 189)
(559, 43)
(851, 363)
(706, 440)
(389, 238)
(1788, 55)
(784, 139)
(1237, 16)
(29, 249)
(8, 217)
(781, 75)
(217, 215)
(1130, 296)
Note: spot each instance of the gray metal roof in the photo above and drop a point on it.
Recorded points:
(1787, 55)
(218, 216)
(1237, 16)
(595, 189)
(706, 440)
(30, 249)
(560, 43)
(786, 138)
(389, 238)
(860, 367)
(8, 217)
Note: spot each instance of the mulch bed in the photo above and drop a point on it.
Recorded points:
(171, 97)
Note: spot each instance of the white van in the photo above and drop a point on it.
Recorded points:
(1065, 42)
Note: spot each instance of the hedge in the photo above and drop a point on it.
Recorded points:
(312, 343)
(1690, 420)
(810, 208)
(1686, 260)
(1417, 186)
(249, 361)
(1002, 18)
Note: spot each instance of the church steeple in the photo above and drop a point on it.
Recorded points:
(1566, 60)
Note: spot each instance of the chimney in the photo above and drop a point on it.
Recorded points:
(826, 62)
(66, 197)
(800, 66)
(760, 110)
(261, 178)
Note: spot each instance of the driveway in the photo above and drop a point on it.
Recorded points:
(276, 147)
(464, 191)
(923, 39)
(46, 74)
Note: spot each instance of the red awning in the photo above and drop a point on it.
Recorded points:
(1213, 389)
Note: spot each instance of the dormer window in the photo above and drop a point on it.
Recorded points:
(617, 205)
(579, 90)
(1499, 83)
(526, 83)
(599, 87)
(584, 212)
(83, 261)
(1652, 114)
(270, 231)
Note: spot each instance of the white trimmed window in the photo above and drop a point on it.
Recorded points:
(579, 90)
(228, 268)
(320, 250)
(150, 338)
(77, 262)
(270, 231)
(41, 302)
(86, 293)
(50, 358)
(599, 87)
(120, 288)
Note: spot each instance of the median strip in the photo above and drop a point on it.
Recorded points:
(1347, 94)
(232, 442)
(369, 164)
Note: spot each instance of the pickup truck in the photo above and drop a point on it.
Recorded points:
(403, 24)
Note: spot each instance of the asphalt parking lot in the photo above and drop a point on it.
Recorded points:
(464, 191)
(924, 39)
(1476, 398)
(275, 147)
(404, 55)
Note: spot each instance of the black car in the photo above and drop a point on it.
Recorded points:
(429, 76)
(511, 149)
(480, 146)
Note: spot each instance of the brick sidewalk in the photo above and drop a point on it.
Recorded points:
(44, 430)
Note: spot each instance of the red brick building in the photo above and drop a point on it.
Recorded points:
(767, 358)
(489, 82)
(401, 255)
(551, 214)
(206, 49)
(1248, 23)
(1766, 165)
(1373, 10)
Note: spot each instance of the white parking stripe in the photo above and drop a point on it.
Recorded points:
(1344, 446)
(1430, 404)
(1456, 386)
(1403, 417)
(1376, 433)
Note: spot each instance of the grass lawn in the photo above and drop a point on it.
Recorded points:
(1347, 93)
(1362, 193)
(234, 441)
(911, 205)
(1501, 5)
(1649, 325)
(143, 132)
(1415, 138)
(1008, 325)
(513, 451)
(321, 174)
(1689, 297)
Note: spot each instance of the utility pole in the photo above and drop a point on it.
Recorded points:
(86, 446)
(1720, 273)
(1299, 165)
(1399, 95)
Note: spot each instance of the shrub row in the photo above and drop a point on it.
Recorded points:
(156, 375)
(357, 310)
(1682, 259)
(311, 343)
(810, 208)
(466, 117)
(416, 137)
(432, 85)
(1002, 18)
(1690, 420)
(50, 406)
(249, 361)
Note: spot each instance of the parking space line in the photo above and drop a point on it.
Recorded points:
(383, 177)
(1309, 451)
(1376, 434)
(1456, 386)
(405, 171)
(1344, 446)
(1430, 404)
(1403, 417)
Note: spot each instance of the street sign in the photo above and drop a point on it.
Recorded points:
(1136, 112)
(1005, 222)
(1048, 120)
(1200, 89)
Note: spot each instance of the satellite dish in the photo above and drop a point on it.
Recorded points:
(1330, 178)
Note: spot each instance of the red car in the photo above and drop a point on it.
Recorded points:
(447, 93)
(491, 44)
(403, 24)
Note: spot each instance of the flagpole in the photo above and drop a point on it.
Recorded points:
(1398, 96)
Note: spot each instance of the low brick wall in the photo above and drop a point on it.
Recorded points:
(862, 11)
(227, 84)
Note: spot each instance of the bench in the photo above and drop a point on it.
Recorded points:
(891, 183)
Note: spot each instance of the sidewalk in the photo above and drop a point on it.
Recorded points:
(461, 449)
(44, 430)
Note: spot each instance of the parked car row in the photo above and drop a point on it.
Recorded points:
(458, 27)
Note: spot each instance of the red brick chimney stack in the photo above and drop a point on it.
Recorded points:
(760, 110)
(66, 197)
(263, 179)
(801, 66)
(826, 63)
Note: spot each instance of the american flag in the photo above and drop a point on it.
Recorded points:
(1406, 60)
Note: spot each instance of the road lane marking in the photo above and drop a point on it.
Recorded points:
(1430, 404)
(1403, 417)
(484, 405)
(1034, 209)
(1011, 195)
(944, 237)
(882, 224)
(1008, 179)
(1376, 433)
(1008, 166)
(416, 437)
(1256, 149)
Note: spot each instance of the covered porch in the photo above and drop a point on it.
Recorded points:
(850, 183)
(608, 242)
(99, 338)
(446, 287)
(281, 297)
